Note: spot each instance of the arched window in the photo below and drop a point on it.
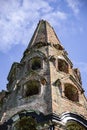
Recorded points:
(26, 123)
(62, 66)
(31, 88)
(36, 63)
(72, 125)
(71, 92)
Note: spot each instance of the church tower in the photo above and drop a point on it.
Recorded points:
(44, 91)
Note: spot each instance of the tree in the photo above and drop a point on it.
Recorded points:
(26, 123)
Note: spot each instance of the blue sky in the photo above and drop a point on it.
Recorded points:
(18, 20)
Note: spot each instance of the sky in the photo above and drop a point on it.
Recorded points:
(19, 18)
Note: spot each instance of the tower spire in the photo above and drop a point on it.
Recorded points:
(44, 33)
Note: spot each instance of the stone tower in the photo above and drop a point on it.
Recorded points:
(44, 91)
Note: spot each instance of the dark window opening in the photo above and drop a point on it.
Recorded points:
(62, 66)
(36, 63)
(71, 93)
(32, 88)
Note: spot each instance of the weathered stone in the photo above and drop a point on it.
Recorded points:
(42, 83)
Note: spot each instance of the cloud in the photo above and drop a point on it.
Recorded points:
(74, 5)
(18, 18)
(57, 15)
(55, 18)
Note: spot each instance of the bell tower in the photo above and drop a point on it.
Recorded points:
(44, 91)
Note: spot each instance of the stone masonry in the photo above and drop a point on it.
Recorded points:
(44, 86)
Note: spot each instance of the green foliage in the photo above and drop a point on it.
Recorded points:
(26, 123)
(74, 126)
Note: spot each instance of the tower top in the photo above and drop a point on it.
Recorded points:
(44, 33)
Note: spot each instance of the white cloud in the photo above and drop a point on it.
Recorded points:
(18, 18)
(74, 5)
(57, 15)
(55, 18)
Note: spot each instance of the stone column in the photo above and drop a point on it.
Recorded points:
(63, 89)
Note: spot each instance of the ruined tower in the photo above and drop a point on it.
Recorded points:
(44, 91)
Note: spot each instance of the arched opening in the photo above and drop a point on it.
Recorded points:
(72, 125)
(36, 63)
(31, 88)
(62, 66)
(26, 123)
(71, 92)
